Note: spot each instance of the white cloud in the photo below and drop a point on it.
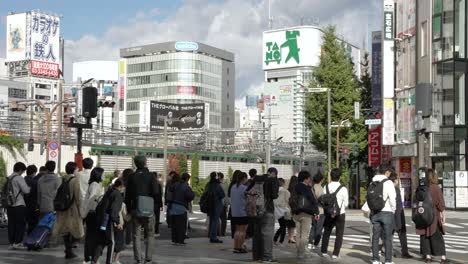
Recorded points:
(232, 25)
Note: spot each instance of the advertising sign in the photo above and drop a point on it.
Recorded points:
(375, 146)
(45, 37)
(16, 37)
(179, 116)
(406, 116)
(107, 90)
(388, 54)
(251, 100)
(377, 70)
(186, 90)
(462, 197)
(285, 93)
(388, 25)
(291, 48)
(405, 168)
(449, 197)
(43, 68)
(447, 179)
(388, 133)
(461, 178)
(186, 46)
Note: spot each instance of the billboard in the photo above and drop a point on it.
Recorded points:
(375, 146)
(44, 68)
(16, 37)
(294, 47)
(186, 90)
(251, 100)
(44, 37)
(107, 90)
(180, 116)
(377, 70)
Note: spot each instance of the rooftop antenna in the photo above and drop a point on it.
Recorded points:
(270, 18)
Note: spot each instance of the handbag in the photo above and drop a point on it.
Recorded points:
(145, 206)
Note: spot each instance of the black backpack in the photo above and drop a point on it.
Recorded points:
(423, 208)
(206, 201)
(103, 208)
(375, 199)
(329, 203)
(297, 202)
(63, 200)
(8, 198)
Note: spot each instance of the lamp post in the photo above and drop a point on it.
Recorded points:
(328, 91)
(343, 123)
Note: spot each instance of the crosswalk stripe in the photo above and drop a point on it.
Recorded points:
(453, 226)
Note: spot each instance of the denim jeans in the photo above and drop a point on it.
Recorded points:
(316, 230)
(214, 221)
(382, 222)
(262, 242)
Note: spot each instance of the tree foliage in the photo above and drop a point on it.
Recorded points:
(3, 171)
(335, 71)
(183, 167)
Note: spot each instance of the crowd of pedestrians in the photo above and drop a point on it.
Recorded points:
(77, 207)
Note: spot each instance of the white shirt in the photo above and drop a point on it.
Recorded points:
(389, 193)
(342, 197)
(83, 176)
(95, 190)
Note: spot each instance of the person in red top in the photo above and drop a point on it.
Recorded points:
(432, 240)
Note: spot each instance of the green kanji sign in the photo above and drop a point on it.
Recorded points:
(275, 52)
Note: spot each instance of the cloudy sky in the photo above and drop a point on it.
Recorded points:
(96, 29)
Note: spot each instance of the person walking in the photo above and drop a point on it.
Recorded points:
(282, 211)
(400, 222)
(264, 224)
(69, 222)
(142, 190)
(15, 189)
(316, 229)
(431, 237)
(305, 210)
(32, 217)
(338, 217)
(182, 197)
(83, 176)
(88, 212)
(290, 224)
(218, 195)
(238, 214)
(382, 219)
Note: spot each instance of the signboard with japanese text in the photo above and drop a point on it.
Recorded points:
(16, 37)
(377, 70)
(388, 25)
(186, 90)
(388, 130)
(44, 68)
(375, 146)
(462, 197)
(179, 116)
(45, 37)
(405, 168)
(461, 178)
(449, 197)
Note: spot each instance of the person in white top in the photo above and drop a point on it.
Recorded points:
(338, 221)
(383, 220)
(83, 176)
(282, 211)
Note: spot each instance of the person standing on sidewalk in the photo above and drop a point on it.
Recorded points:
(282, 211)
(400, 222)
(290, 224)
(31, 199)
(264, 224)
(337, 216)
(305, 209)
(217, 194)
(16, 207)
(239, 217)
(182, 197)
(69, 223)
(432, 239)
(83, 176)
(382, 219)
(142, 189)
(158, 205)
(47, 187)
(316, 229)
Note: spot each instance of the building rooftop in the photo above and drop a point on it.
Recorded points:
(176, 46)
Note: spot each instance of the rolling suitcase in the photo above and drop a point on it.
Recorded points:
(38, 238)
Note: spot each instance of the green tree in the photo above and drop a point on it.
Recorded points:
(230, 172)
(182, 164)
(3, 171)
(335, 71)
(366, 84)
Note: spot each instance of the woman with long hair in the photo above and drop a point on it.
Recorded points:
(431, 237)
(290, 224)
(282, 211)
(239, 216)
(235, 179)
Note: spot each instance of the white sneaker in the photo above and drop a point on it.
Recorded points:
(376, 262)
(334, 257)
(19, 246)
(389, 263)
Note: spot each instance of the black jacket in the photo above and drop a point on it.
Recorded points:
(182, 194)
(311, 206)
(141, 183)
(115, 205)
(270, 190)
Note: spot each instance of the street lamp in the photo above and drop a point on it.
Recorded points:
(328, 91)
(343, 123)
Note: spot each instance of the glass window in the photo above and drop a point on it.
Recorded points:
(459, 75)
(424, 40)
(460, 29)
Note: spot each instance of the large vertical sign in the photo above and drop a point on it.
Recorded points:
(388, 74)
(16, 37)
(375, 146)
(121, 84)
(377, 70)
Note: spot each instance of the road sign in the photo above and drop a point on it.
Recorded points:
(373, 121)
(53, 145)
(53, 154)
(317, 90)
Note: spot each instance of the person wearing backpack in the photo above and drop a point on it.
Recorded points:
(266, 189)
(216, 201)
(142, 189)
(381, 199)
(13, 199)
(334, 201)
(431, 235)
(88, 212)
(67, 204)
(304, 211)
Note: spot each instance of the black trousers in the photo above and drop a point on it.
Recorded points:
(106, 240)
(433, 245)
(329, 224)
(281, 232)
(16, 224)
(179, 228)
(157, 219)
(32, 219)
(92, 237)
(223, 226)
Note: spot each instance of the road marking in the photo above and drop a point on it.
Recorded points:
(453, 226)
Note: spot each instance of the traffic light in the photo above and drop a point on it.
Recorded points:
(89, 102)
(105, 103)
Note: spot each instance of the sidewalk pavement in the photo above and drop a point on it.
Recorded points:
(197, 250)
